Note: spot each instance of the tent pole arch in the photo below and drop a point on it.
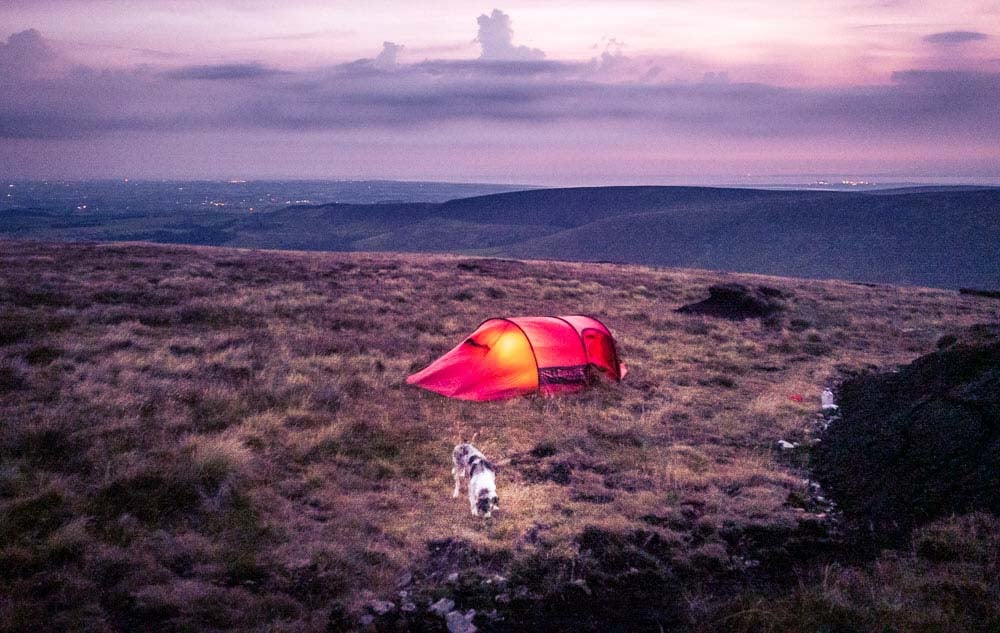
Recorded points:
(534, 356)
(579, 336)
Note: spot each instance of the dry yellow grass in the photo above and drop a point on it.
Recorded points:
(212, 438)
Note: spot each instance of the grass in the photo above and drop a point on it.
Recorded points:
(199, 438)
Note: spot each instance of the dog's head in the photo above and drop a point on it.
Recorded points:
(487, 503)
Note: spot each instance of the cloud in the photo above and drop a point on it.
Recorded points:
(25, 52)
(222, 72)
(387, 59)
(955, 37)
(528, 97)
(307, 35)
(499, 68)
(611, 57)
(652, 73)
(496, 39)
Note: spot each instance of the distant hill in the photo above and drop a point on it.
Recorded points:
(939, 237)
(930, 236)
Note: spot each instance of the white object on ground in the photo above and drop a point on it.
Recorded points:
(827, 400)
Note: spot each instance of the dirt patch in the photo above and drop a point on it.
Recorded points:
(920, 443)
(558, 468)
(737, 302)
(496, 267)
(992, 294)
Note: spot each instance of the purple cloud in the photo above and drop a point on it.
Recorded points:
(381, 94)
(499, 68)
(955, 37)
(361, 96)
(222, 72)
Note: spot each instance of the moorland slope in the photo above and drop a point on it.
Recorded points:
(219, 439)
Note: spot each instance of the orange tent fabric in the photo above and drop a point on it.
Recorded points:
(514, 356)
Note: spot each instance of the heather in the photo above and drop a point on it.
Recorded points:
(214, 439)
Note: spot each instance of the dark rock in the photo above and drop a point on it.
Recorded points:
(737, 302)
(920, 443)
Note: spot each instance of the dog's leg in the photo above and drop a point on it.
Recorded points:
(454, 472)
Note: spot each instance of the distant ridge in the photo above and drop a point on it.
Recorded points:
(932, 236)
(945, 237)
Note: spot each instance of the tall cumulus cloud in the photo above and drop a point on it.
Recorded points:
(24, 53)
(496, 39)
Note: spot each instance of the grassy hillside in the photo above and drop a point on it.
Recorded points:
(217, 439)
(937, 236)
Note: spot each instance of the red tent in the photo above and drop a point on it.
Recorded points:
(510, 357)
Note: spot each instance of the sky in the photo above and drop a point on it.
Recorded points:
(531, 92)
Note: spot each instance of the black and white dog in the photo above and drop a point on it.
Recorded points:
(472, 464)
